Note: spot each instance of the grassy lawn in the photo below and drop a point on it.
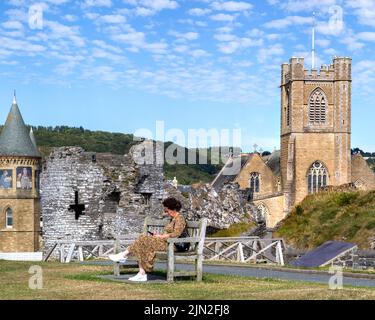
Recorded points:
(75, 281)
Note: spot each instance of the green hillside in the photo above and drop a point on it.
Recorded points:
(118, 143)
(348, 216)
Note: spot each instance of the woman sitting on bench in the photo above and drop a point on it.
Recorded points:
(144, 248)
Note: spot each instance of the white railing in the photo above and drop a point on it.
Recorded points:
(239, 249)
(245, 250)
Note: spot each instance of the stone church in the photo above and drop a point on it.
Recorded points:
(315, 141)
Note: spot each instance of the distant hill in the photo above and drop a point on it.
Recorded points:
(118, 143)
(348, 216)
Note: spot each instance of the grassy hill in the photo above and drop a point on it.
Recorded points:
(348, 216)
(119, 143)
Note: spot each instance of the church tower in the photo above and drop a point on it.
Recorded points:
(19, 186)
(315, 127)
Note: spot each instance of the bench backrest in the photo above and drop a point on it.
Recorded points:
(194, 228)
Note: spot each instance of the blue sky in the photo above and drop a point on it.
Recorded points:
(121, 65)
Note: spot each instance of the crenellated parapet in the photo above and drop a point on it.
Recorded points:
(339, 70)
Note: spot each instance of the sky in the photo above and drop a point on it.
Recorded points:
(123, 65)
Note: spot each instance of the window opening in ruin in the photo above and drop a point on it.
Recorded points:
(111, 202)
(146, 198)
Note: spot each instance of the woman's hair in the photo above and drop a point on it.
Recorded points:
(172, 204)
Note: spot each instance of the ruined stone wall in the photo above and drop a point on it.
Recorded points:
(222, 209)
(111, 188)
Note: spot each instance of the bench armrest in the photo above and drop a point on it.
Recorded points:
(183, 240)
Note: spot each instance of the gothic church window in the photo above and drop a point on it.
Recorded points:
(254, 182)
(317, 177)
(9, 218)
(317, 107)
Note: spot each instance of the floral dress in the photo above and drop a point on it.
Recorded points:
(144, 248)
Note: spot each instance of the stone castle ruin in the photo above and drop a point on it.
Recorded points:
(116, 192)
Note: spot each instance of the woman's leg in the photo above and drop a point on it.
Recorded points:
(142, 271)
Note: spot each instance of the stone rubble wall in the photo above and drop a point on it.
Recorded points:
(109, 185)
(113, 189)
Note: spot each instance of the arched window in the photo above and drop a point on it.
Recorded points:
(254, 182)
(9, 218)
(317, 107)
(317, 177)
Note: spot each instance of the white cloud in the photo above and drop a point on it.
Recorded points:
(366, 36)
(288, 21)
(158, 5)
(199, 12)
(20, 45)
(223, 17)
(324, 43)
(232, 46)
(364, 10)
(137, 41)
(199, 53)
(303, 5)
(231, 6)
(185, 36)
(12, 25)
(97, 3)
(268, 52)
(70, 18)
(60, 31)
(151, 7)
(57, 2)
(104, 45)
(115, 18)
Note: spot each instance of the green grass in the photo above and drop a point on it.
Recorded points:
(80, 282)
(348, 216)
(234, 230)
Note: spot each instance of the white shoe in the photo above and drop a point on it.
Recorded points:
(139, 278)
(118, 257)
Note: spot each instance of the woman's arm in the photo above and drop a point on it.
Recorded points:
(162, 236)
(179, 227)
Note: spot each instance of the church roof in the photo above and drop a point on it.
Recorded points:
(273, 162)
(14, 138)
(222, 178)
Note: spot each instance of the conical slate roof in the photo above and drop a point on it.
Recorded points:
(14, 138)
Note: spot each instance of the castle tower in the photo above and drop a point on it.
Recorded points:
(19, 186)
(315, 127)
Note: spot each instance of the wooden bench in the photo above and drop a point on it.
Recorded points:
(197, 234)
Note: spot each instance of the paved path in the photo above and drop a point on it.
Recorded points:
(261, 272)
